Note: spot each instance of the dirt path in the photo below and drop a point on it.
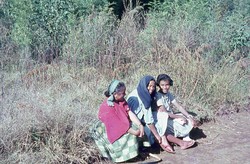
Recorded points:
(226, 141)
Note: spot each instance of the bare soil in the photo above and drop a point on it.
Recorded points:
(224, 141)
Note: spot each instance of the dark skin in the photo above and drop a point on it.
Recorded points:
(162, 140)
(151, 89)
(164, 87)
(119, 97)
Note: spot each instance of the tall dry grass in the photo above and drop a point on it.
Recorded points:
(47, 120)
(47, 110)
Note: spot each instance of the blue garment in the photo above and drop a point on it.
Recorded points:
(144, 115)
(137, 107)
(140, 102)
(143, 93)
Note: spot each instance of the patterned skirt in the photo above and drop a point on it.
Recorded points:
(121, 150)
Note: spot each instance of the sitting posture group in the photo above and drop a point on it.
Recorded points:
(144, 117)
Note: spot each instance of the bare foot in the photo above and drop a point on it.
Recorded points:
(187, 144)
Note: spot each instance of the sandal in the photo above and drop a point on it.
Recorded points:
(167, 148)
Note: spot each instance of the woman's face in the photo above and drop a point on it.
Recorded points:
(164, 86)
(151, 86)
(119, 96)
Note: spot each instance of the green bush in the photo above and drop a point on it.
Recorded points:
(46, 109)
(44, 25)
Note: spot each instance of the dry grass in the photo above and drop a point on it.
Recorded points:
(49, 121)
(47, 110)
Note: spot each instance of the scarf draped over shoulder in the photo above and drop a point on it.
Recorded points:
(115, 119)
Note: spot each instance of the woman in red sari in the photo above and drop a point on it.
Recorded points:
(117, 130)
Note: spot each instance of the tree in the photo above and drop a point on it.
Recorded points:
(43, 24)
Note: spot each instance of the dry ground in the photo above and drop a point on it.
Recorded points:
(224, 141)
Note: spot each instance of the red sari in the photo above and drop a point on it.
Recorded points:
(115, 119)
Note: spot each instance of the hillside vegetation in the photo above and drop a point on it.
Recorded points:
(57, 58)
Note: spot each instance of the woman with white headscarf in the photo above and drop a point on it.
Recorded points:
(117, 130)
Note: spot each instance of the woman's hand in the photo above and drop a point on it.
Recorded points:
(162, 109)
(141, 130)
(136, 121)
(182, 119)
(194, 124)
(158, 137)
(134, 132)
(137, 132)
(154, 131)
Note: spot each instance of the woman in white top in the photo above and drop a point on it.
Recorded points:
(140, 102)
(179, 125)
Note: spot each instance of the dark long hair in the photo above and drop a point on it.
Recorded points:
(164, 77)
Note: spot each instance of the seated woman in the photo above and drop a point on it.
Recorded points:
(140, 102)
(118, 127)
(179, 125)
